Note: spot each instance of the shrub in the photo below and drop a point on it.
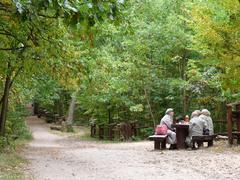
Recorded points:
(145, 132)
(16, 127)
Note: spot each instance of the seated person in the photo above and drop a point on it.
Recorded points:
(196, 127)
(206, 116)
(168, 121)
(179, 119)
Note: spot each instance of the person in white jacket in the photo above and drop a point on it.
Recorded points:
(168, 121)
(206, 116)
(196, 127)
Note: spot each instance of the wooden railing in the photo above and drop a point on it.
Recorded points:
(121, 131)
(233, 119)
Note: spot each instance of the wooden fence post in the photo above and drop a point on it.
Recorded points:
(93, 130)
(238, 117)
(229, 123)
(111, 131)
(101, 131)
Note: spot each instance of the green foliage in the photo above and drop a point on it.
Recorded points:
(162, 53)
(38, 42)
(146, 132)
(216, 26)
(135, 67)
(16, 127)
(166, 54)
(3, 142)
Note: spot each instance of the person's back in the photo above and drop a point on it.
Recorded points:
(209, 123)
(196, 126)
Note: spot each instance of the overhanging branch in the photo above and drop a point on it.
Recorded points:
(13, 48)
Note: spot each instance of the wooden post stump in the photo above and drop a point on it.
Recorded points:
(101, 132)
(229, 123)
(93, 130)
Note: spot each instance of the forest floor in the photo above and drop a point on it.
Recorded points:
(52, 156)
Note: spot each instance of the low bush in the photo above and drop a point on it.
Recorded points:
(16, 127)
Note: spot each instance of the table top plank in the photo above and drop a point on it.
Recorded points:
(179, 126)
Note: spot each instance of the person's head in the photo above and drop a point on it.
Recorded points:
(206, 112)
(180, 118)
(194, 114)
(170, 112)
(198, 112)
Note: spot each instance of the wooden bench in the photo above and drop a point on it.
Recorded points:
(159, 141)
(201, 139)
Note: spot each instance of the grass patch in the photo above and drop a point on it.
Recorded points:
(12, 162)
(17, 134)
(11, 166)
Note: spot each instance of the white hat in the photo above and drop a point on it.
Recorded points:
(169, 110)
(206, 112)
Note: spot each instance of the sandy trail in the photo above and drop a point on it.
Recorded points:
(54, 157)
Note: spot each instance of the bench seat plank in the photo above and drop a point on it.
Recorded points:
(203, 138)
(157, 137)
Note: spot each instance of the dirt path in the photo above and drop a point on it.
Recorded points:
(54, 157)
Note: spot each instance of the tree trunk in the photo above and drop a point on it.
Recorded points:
(150, 108)
(109, 114)
(185, 102)
(71, 109)
(67, 126)
(184, 77)
(4, 108)
(4, 100)
(35, 108)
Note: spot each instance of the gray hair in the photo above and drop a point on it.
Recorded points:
(206, 112)
(194, 114)
(198, 112)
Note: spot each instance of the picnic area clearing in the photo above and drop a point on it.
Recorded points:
(54, 156)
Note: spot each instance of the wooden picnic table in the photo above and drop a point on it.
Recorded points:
(181, 133)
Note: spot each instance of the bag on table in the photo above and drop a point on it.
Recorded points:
(161, 130)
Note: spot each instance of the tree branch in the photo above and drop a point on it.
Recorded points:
(13, 48)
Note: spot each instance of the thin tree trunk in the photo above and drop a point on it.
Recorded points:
(184, 77)
(185, 102)
(4, 100)
(1, 100)
(109, 116)
(71, 109)
(4, 108)
(150, 108)
(11, 81)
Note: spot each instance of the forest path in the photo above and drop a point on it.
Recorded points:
(56, 157)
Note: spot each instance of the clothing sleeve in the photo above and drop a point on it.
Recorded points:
(168, 124)
(166, 121)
